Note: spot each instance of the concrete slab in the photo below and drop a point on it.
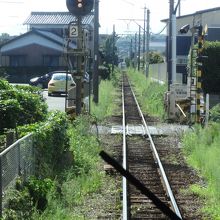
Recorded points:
(164, 129)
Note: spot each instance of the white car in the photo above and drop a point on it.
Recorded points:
(60, 83)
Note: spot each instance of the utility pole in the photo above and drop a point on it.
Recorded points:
(131, 49)
(135, 51)
(139, 47)
(148, 43)
(113, 49)
(173, 45)
(169, 56)
(144, 35)
(180, 8)
(96, 54)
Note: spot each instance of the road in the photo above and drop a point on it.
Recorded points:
(54, 102)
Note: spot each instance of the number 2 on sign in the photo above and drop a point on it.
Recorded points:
(73, 31)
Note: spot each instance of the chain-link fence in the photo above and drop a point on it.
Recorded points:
(16, 160)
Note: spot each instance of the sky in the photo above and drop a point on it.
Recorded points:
(13, 13)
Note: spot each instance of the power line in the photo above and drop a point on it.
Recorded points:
(11, 2)
(128, 2)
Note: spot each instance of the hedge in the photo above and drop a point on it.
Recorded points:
(20, 106)
(211, 67)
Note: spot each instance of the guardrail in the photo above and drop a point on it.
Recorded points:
(16, 160)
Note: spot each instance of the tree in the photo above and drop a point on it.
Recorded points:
(4, 37)
(155, 57)
(110, 51)
(109, 56)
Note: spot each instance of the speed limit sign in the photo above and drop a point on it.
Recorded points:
(73, 31)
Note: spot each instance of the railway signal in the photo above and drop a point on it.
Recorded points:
(80, 7)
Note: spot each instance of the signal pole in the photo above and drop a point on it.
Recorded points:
(148, 43)
(79, 75)
(96, 54)
(79, 8)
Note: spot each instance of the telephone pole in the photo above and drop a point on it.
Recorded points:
(169, 55)
(113, 49)
(148, 43)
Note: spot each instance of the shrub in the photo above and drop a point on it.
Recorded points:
(215, 113)
(38, 189)
(20, 106)
(51, 140)
(19, 205)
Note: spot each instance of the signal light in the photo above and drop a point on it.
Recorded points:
(80, 7)
(79, 4)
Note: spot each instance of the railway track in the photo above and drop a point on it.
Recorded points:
(141, 159)
(144, 163)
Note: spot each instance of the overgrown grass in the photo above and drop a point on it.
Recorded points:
(202, 150)
(107, 96)
(149, 93)
(80, 182)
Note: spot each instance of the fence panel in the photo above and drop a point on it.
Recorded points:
(16, 160)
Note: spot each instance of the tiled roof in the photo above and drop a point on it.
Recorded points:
(62, 18)
(45, 34)
(53, 37)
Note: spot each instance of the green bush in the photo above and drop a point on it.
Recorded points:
(38, 189)
(4, 84)
(20, 106)
(211, 67)
(215, 113)
(84, 178)
(9, 114)
(51, 140)
(19, 205)
(104, 72)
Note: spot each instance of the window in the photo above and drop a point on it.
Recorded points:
(17, 60)
(51, 60)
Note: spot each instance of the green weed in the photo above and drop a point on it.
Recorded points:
(150, 94)
(107, 96)
(202, 150)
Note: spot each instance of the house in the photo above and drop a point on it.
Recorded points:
(209, 17)
(42, 48)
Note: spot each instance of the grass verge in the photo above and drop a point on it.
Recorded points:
(107, 95)
(202, 150)
(81, 186)
(149, 93)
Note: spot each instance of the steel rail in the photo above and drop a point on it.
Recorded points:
(163, 174)
(124, 180)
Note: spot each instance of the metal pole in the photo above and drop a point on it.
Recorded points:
(144, 36)
(180, 8)
(148, 43)
(173, 48)
(131, 49)
(135, 51)
(139, 47)
(207, 110)
(169, 60)
(79, 70)
(96, 54)
(113, 49)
